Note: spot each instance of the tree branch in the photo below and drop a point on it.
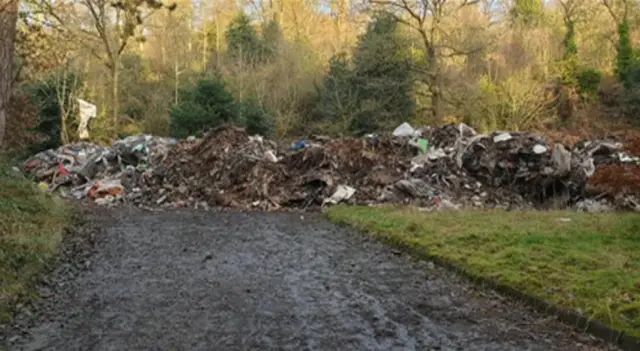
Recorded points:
(458, 52)
(609, 5)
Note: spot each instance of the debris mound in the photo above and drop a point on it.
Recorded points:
(446, 167)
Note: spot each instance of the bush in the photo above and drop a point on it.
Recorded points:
(209, 104)
(255, 119)
(589, 80)
(21, 134)
(44, 96)
(625, 57)
(516, 103)
(630, 101)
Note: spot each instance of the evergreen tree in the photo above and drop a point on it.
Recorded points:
(339, 99)
(209, 104)
(624, 59)
(242, 39)
(272, 38)
(382, 73)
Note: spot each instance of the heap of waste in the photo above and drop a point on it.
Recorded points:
(450, 166)
(88, 170)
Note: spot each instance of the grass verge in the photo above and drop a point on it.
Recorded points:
(585, 262)
(32, 224)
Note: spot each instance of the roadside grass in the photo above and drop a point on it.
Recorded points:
(31, 228)
(584, 262)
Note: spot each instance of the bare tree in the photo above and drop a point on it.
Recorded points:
(66, 84)
(618, 9)
(572, 10)
(8, 21)
(112, 24)
(426, 18)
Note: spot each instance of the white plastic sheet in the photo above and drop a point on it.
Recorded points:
(343, 192)
(88, 111)
(404, 130)
(502, 137)
(540, 149)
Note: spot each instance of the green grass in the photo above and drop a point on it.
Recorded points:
(589, 264)
(31, 228)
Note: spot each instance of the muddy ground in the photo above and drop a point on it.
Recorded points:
(237, 281)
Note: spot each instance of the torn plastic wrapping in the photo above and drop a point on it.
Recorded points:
(87, 112)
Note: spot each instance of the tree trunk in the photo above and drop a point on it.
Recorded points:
(204, 48)
(177, 82)
(64, 136)
(218, 35)
(434, 81)
(8, 20)
(62, 100)
(115, 97)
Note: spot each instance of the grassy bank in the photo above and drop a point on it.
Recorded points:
(585, 262)
(31, 228)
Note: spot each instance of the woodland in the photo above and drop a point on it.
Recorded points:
(287, 68)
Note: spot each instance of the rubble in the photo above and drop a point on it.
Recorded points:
(447, 167)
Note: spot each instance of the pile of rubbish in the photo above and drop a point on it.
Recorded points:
(446, 167)
(86, 170)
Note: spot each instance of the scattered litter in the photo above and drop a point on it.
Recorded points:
(540, 149)
(299, 146)
(44, 187)
(502, 137)
(106, 188)
(343, 192)
(404, 130)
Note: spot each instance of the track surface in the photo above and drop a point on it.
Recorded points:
(238, 281)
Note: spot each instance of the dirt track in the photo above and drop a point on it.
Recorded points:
(233, 281)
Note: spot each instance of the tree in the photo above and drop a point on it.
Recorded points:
(54, 97)
(8, 21)
(619, 11)
(375, 90)
(209, 104)
(242, 39)
(272, 38)
(426, 18)
(112, 24)
(572, 11)
(383, 75)
(339, 98)
(66, 86)
(527, 13)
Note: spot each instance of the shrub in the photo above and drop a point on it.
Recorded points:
(255, 119)
(589, 80)
(208, 104)
(22, 136)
